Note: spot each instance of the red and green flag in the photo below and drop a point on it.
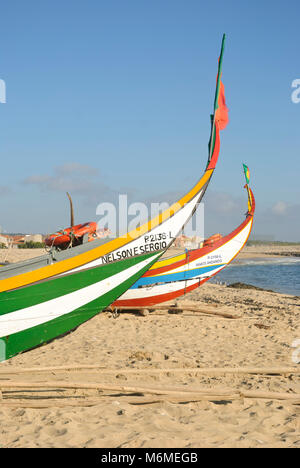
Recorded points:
(220, 116)
(220, 108)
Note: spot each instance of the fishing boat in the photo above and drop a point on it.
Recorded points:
(73, 235)
(48, 296)
(170, 278)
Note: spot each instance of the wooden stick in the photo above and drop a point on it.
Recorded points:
(271, 395)
(210, 312)
(88, 403)
(57, 385)
(202, 314)
(161, 307)
(198, 370)
(166, 395)
(182, 392)
(187, 308)
(48, 403)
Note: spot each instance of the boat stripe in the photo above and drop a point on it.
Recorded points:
(167, 261)
(175, 276)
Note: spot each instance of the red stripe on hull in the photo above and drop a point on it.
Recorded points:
(154, 300)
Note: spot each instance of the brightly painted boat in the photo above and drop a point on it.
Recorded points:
(48, 296)
(170, 278)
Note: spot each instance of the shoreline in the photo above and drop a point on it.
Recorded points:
(270, 250)
(257, 251)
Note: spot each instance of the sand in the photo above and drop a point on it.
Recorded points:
(261, 337)
(19, 255)
(269, 250)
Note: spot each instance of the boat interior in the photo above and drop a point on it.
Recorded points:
(53, 256)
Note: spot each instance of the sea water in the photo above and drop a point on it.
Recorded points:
(278, 274)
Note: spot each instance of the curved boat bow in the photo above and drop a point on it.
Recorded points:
(173, 277)
(46, 297)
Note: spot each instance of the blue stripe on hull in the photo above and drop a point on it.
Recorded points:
(183, 275)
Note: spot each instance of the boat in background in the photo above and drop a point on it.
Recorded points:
(46, 297)
(170, 278)
(73, 235)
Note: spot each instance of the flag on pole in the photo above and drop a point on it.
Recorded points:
(247, 176)
(219, 119)
(221, 114)
(247, 173)
(220, 108)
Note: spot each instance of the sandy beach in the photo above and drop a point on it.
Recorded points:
(261, 335)
(269, 250)
(130, 128)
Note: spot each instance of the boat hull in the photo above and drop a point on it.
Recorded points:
(169, 280)
(37, 314)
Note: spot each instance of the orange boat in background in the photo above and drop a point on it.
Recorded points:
(73, 235)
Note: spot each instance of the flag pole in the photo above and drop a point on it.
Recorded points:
(247, 186)
(213, 117)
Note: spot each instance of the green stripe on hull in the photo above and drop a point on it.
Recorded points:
(35, 336)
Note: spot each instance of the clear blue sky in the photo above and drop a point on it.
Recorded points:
(108, 96)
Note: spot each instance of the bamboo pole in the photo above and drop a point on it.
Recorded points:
(180, 308)
(148, 370)
(85, 402)
(271, 395)
(135, 388)
(182, 393)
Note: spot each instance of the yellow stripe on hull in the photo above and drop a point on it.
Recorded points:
(168, 261)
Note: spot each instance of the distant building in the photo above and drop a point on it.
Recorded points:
(10, 241)
(15, 240)
(33, 238)
(185, 242)
(180, 241)
(4, 240)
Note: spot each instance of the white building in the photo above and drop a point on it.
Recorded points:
(3, 240)
(33, 238)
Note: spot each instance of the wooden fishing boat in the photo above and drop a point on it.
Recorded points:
(63, 238)
(170, 278)
(73, 235)
(48, 296)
